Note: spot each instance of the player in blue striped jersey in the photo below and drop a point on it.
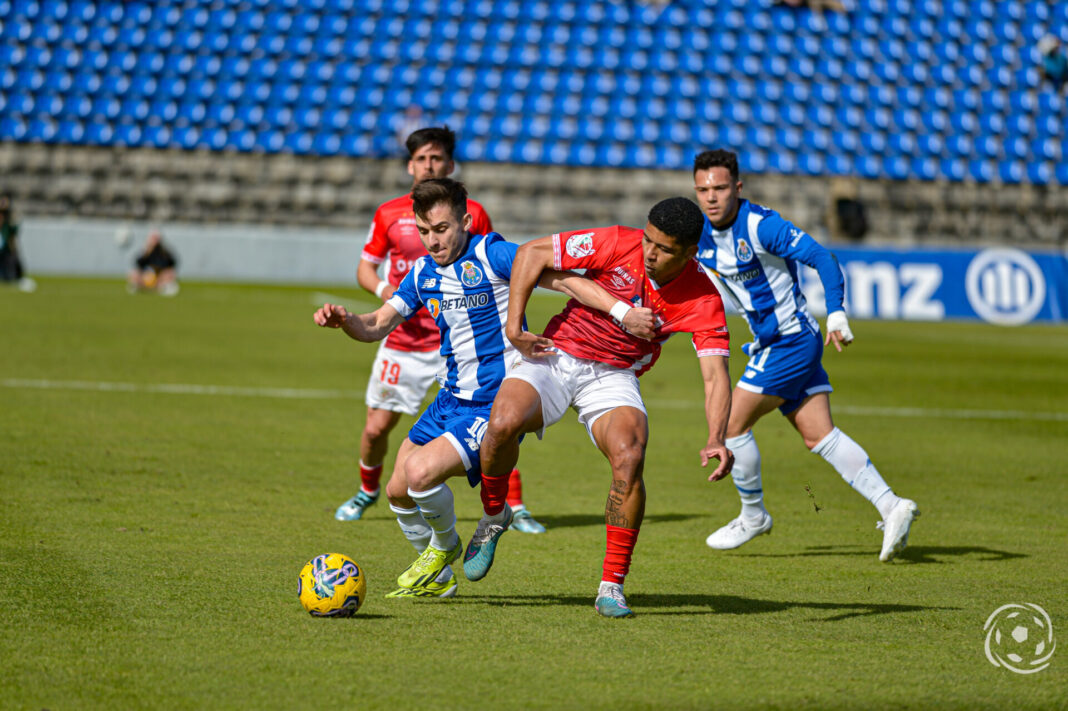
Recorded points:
(463, 283)
(754, 254)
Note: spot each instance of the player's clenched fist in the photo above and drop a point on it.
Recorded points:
(331, 316)
(640, 322)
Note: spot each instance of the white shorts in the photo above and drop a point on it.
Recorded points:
(591, 388)
(399, 379)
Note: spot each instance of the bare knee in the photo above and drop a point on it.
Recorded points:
(628, 460)
(418, 473)
(397, 490)
(377, 429)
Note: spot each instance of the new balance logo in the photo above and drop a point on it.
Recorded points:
(429, 283)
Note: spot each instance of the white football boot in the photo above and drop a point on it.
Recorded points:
(896, 527)
(739, 531)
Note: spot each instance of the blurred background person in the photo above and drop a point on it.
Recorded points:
(1054, 64)
(155, 269)
(11, 270)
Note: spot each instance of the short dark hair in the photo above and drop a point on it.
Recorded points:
(717, 158)
(435, 191)
(442, 136)
(680, 218)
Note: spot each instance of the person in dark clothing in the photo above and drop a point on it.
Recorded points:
(11, 269)
(155, 269)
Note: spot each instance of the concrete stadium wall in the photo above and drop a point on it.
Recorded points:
(208, 252)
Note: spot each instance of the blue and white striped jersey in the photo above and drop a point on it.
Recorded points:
(468, 300)
(755, 260)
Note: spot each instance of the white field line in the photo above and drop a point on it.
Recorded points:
(183, 389)
(321, 394)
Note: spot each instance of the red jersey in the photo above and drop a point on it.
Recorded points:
(393, 234)
(612, 257)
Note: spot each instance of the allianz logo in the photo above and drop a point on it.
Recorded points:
(1003, 286)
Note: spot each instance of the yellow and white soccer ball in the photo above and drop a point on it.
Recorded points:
(331, 585)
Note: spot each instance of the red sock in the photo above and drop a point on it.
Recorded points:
(617, 555)
(494, 493)
(515, 489)
(369, 477)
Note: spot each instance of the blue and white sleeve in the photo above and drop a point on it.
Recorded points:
(783, 239)
(501, 254)
(406, 299)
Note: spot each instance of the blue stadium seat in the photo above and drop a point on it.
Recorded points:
(1039, 173)
(963, 122)
(981, 170)
(156, 135)
(1045, 125)
(924, 168)
(1022, 102)
(759, 136)
(868, 167)
(818, 139)
(895, 167)
(756, 161)
(12, 126)
(839, 164)
(846, 141)
(1010, 171)
(273, 141)
(959, 145)
(191, 112)
(782, 162)
(1045, 149)
(1061, 172)
(991, 123)
(127, 134)
(952, 169)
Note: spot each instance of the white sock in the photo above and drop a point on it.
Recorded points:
(413, 526)
(746, 475)
(436, 506)
(851, 461)
(606, 587)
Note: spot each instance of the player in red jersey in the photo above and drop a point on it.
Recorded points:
(408, 361)
(586, 361)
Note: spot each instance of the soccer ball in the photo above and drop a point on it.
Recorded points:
(331, 585)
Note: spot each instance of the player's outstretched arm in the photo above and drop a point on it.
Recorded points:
(640, 322)
(717, 381)
(367, 327)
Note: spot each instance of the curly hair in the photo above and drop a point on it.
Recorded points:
(680, 218)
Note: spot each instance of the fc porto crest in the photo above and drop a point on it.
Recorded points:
(471, 275)
(745, 252)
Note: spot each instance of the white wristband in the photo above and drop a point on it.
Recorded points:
(619, 310)
(837, 321)
(380, 288)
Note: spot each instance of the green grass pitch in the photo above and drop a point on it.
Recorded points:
(151, 533)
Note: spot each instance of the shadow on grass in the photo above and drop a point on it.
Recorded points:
(912, 554)
(646, 604)
(578, 520)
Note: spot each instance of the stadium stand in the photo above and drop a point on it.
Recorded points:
(938, 108)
